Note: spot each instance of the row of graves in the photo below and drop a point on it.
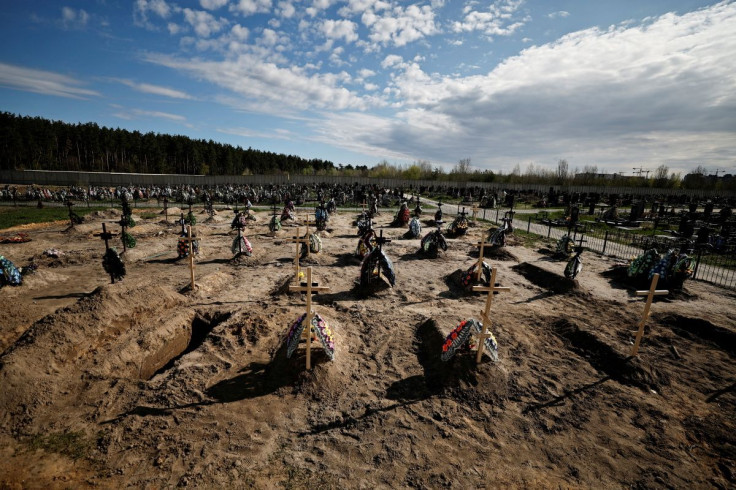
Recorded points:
(470, 335)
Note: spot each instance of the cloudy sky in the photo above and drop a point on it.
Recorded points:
(613, 83)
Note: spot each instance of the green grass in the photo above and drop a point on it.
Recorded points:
(22, 215)
(71, 444)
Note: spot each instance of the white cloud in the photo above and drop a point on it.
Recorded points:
(287, 10)
(397, 25)
(340, 29)
(148, 88)
(74, 19)
(212, 4)
(265, 86)
(281, 134)
(239, 32)
(391, 60)
(657, 93)
(42, 82)
(173, 28)
(558, 14)
(498, 20)
(142, 9)
(158, 114)
(204, 23)
(250, 7)
(141, 113)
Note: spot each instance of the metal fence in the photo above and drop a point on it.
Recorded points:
(715, 266)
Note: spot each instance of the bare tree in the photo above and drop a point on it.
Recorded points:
(562, 171)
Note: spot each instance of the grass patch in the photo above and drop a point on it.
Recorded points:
(71, 444)
(148, 215)
(23, 215)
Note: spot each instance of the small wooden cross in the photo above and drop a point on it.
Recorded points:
(491, 289)
(482, 245)
(69, 205)
(182, 222)
(190, 241)
(475, 211)
(240, 242)
(309, 288)
(298, 240)
(166, 209)
(306, 236)
(650, 293)
(106, 235)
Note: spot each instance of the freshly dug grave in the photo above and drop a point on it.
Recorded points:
(145, 383)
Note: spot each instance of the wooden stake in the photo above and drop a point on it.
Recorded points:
(650, 294)
(491, 289)
(475, 211)
(190, 241)
(482, 245)
(298, 240)
(307, 236)
(166, 209)
(309, 289)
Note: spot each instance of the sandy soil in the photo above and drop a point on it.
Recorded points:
(144, 383)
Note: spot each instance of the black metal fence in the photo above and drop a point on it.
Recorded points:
(715, 265)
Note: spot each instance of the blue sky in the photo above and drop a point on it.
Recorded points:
(615, 84)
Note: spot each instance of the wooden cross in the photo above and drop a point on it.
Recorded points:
(190, 241)
(240, 242)
(306, 236)
(363, 204)
(482, 245)
(298, 240)
(650, 293)
(166, 209)
(475, 211)
(182, 222)
(492, 289)
(106, 235)
(69, 205)
(309, 288)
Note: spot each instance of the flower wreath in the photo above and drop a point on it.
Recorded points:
(9, 273)
(369, 267)
(112, 264)
(644, 263)
(182, 247)
(245, 246)
(415, 227)
(469, 277)
(319, 326)
(17, 238)
(460, 338)
(275, 223)
(565, 245)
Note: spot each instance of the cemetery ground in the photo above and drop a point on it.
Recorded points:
(145, 383)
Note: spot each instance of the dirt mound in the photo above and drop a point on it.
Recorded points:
(545, 279)
(118, 331)
(606, 359)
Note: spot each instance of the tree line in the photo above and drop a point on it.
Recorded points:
(36, 143)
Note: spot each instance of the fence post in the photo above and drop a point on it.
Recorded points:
(549, 230)
(529, 224)
(605, 242)
(697, 262)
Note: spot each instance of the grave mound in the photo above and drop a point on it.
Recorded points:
(546, 279)
(603, 357)
(460, 378)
